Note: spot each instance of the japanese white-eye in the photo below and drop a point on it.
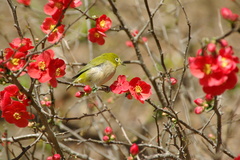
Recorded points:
(99, 70)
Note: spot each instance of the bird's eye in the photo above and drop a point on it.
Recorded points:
(117, 59)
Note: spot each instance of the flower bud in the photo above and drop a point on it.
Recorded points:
(198, 110)
(112, 137)
(105, 138)
(211, 47)
(134, 150)
(87, 89)
(209, 97)
(199, 101)
(108, 130)
(79, 94)
(173, 81)
(223, 42)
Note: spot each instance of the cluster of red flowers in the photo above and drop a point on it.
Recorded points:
(13, 105)
(216, 67)
(229, 15)
(109, 136)
(52, 25)
(97, 34)
(203, 104)
(134, 34)
(45, 68)
(15, 57)
(136, 88)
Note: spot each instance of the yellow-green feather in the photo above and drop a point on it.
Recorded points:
(99, 70)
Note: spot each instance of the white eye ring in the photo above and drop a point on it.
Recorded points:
(116, 59)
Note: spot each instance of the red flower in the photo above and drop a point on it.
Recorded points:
(49, 27)
(215, 68)
(134, 150)
(103, 23)
(39, 69)
(14, 60)
(96, 36)
(21, 45)
(25, 2)
(228, 15)
(11, 93)
(121, 85)
(55, 8)
(57, 69)
(140, 90)
(219, 89)
(17, 114)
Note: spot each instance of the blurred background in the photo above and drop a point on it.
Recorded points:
(137, 118)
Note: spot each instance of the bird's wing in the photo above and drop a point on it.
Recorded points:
(85, 68)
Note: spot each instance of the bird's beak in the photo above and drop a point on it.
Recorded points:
(122, 63)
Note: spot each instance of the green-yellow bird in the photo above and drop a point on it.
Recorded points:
(99, 70)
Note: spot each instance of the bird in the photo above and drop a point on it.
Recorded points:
(98, 71)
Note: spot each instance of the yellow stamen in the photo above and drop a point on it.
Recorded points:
(102, 23)
(41, 65)
(15, 61)
(97, 35)
(138, 89)
(207, 69)
(17, 115)
(58, 72)
(224, 62)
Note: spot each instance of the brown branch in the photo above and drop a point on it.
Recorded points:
(50, 134)
(14, 12)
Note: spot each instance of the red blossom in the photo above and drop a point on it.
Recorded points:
(134, 150)
(55, 8)
(139, 89)
(49, 27)
(14, 60)
(96, 36)
(39, 69)
(121, 85)
(103, 23)
(57, 69)
(228, 15)
(216, 68)
(11, 93)
(17, 114)
(21, 45)
(219, 89)
(25, 2)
